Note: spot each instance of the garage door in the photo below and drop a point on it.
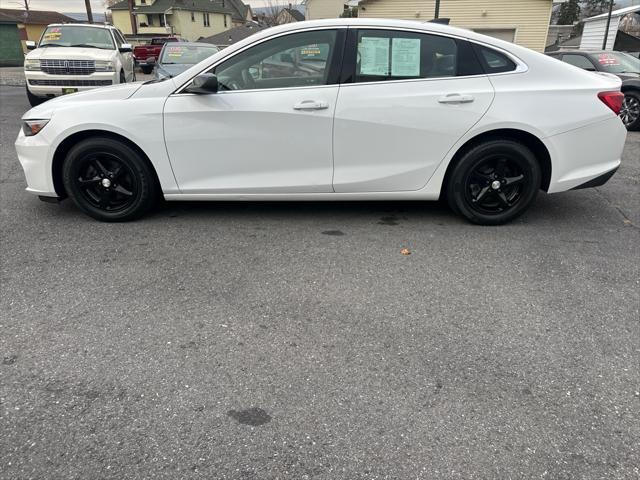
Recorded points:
(508, 34)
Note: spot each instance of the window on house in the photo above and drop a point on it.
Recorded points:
(395, 55)
(225, 21)
(193, 16)
(162, 20)
(150, 20)
(205, 19)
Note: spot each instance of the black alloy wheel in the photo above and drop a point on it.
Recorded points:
(630, 111)
(494, 182)
(109, 180)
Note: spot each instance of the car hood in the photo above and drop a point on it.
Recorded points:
(70, 53)
(115, 92)
(173, 70)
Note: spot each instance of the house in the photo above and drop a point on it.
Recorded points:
(229, 37)
(524, 22)
(289, 15)
(624, 28)
(318, 9)
(189, 19)
(31, 24)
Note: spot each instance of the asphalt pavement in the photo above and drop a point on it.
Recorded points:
(295, 341)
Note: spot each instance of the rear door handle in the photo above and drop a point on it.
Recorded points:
(311, 105)
(456, 98)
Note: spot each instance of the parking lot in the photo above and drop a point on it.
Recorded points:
(295, 341)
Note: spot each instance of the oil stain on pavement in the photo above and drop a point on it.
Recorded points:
(252, 416)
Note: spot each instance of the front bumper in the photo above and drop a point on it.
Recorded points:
(33, 154)
(44, 84)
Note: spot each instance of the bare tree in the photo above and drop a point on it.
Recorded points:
(272, 10)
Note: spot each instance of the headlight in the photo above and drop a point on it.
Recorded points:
(33, 127)
(104, 66)
(31, 64)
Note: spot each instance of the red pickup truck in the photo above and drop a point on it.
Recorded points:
(142, 52)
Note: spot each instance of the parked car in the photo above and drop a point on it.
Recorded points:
(175, 58)
(70, 58)
(623, 65)
(141, 53)
(400, 110)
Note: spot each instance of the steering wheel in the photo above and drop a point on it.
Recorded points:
(247, 79)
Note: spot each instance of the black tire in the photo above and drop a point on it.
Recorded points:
(494, 182)
(630, 112)
(34, 100)
(123, 79)
(109, 180)
(146, 70)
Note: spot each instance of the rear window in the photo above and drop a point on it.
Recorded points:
(494, 61)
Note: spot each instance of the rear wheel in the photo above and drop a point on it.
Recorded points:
(108, 180)
(630, 112)
(146, 70)
(34, 100)
(494, 182)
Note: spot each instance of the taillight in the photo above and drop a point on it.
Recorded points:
(613, 100)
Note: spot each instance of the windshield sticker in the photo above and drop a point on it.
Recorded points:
(374, 56)
(405, 57)
(175, 51)
(53, 35)
(608, 59)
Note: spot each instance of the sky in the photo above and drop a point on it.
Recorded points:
(78, 5)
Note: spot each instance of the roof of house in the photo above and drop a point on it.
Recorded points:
(236, 8)
(233, 35)
(297, 15)
(616, 13)
(39, 17)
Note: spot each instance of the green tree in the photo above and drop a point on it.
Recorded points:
(569, 12)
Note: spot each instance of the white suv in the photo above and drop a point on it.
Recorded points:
(74, 57)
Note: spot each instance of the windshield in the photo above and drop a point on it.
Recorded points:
(186, 54)
(618, 62)
(77, 36)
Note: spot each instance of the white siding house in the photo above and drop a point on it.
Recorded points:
(595, 27)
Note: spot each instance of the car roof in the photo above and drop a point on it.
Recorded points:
(80, 25)
(190, 44)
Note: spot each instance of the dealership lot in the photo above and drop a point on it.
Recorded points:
(259, 340)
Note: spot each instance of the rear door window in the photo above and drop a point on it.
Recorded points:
(579, 61)
(398, 55)
(494, 61)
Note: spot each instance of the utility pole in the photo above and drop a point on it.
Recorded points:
(606, 30)
(87, 4)
(437, 13)
(134, 25)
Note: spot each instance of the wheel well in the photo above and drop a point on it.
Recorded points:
(531, 141)
(625, 89)
(63, 149)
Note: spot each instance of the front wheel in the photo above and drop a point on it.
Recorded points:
(494, 182)
(123, 78)
(109, 180)
(630, 112)
(146, 70)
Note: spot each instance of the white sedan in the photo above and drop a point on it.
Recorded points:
(341, 109)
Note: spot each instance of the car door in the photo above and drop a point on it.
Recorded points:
(407, 98)
(269, 127)
(126, 58)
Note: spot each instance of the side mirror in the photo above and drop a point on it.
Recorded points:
(126, 48)
(151, 60)
(203, 84)
(31, 45)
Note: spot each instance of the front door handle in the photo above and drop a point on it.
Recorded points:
(311, 105)
(456, 98)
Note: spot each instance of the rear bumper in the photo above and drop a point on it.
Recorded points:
(598, 181)
(586, 156)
